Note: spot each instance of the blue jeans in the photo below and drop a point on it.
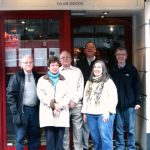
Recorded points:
(54, 138)
(30, 128)
(125, 120)
(101, 132)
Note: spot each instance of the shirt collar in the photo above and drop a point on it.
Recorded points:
(91, 60)
(120, 66)
(27, 73)
(62, 68)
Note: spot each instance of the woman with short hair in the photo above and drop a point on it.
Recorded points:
(52, 90)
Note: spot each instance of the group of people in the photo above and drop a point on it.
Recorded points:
(93, 101)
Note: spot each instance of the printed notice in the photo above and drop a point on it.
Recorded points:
(10, 57)
(40, 57)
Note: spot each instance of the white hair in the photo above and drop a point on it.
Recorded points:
(22, 59)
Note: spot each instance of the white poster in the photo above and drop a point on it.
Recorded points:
(10, 57)
(40, 57)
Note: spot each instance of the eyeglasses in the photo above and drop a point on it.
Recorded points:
(26, 62)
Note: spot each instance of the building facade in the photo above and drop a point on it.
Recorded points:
(45, 28)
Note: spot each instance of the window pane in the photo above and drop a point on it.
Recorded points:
(31, 37)
(106, 38)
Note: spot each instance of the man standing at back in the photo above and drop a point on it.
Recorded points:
(86, 64)
(24, 105)
(126, 78)
(74, 77)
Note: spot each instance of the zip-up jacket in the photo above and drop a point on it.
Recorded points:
(15, 90)
(127, 82)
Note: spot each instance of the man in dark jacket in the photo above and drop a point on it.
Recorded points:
(127, 81)
(86, 64)
(24, 105)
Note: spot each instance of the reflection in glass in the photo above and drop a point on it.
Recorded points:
(25, 34)
(106, 38)
(11, 59)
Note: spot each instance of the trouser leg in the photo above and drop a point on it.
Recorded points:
(76, 119)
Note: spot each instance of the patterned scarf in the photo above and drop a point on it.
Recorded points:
(54, 78)
(97, 91)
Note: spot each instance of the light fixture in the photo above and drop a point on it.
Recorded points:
(23, 22)
(105, 12)
(31, 30)
(111, 28)
(78, 13)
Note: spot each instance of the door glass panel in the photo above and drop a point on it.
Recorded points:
(106, 38)
(37, 37)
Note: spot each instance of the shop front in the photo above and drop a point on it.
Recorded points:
(45, 33)
(36, 33)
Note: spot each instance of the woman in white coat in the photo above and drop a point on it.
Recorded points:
(54, 113)
(99, 106)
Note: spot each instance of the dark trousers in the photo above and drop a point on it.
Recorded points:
(54, 138)
(29, 128)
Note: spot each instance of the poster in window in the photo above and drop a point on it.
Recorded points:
(40, 56)
(10, 57)
(11, 40)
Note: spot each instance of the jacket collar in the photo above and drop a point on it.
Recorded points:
(46, 77)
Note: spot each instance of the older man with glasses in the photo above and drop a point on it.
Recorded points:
(24, 104)
(76, 82)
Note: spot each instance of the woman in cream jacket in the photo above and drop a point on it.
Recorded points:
(99, 106)
(52, 90)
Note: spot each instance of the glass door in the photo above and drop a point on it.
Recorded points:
(107, 34)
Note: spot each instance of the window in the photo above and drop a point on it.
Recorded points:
(36, 37)
(107, 34)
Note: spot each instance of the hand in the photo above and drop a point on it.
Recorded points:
(106, 117)
(84, 118)
(72, 104)
(57, 107)
(56, 113)
(137, 107)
